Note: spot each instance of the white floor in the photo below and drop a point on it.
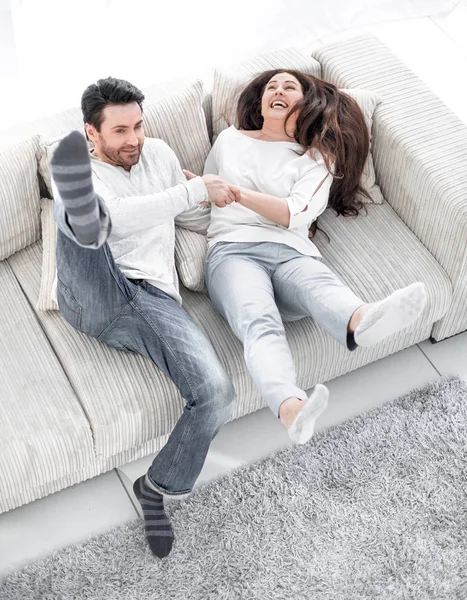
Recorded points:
(436, 49)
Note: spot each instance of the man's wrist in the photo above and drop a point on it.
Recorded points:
(197, 191)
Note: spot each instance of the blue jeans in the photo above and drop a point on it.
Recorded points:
(98, 300)
(257, 287)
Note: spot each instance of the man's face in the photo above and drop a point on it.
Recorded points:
(121, 138)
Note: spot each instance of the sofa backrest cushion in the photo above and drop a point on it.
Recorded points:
(368, 102)
(180, 121)
(47, 299)
(19, 196)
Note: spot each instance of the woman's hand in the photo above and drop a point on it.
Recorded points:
(219, 192)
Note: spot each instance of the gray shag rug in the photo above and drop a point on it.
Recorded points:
(374, 508)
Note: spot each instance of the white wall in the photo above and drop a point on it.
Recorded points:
(52, 49)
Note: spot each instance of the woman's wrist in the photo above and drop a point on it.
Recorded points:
(242, 196)
(272, 208)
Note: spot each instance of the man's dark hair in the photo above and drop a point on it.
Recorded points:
(107, 91)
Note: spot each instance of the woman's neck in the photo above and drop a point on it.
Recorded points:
(274, 131)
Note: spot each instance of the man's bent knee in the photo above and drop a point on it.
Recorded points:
(221, 393)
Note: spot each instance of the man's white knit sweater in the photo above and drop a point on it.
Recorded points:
(142, 206)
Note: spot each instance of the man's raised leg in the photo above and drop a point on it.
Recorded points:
(72, 174)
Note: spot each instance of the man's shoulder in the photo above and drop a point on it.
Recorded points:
(157, 146)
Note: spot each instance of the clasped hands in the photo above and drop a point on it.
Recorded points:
(219, 192)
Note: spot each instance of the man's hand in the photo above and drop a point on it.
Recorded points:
(219, 192)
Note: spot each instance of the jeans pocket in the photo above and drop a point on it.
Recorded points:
(69, 307)
(128, 350)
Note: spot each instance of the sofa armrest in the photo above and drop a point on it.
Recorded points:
(420, 157)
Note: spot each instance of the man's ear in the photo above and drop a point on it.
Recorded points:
(90, 131)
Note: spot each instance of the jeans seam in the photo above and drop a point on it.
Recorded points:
(167, 345)
(349, 340)
(116, 279)
(79, 312)
(162, 490)
(179, 449)
(112, 324)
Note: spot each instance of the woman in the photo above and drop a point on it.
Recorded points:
(300, 147)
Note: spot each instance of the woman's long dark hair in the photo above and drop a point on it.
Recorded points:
(329, 121)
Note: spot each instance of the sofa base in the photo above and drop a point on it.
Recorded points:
(435, 341)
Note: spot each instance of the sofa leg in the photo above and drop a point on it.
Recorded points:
(433, 341)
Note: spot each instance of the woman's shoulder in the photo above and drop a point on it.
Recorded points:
(255, 134)
(315, 156)
(221, 136)
(226, 132)
(232, 131)
(229, 138)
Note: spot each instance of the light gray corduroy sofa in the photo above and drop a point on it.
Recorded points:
(71, 408)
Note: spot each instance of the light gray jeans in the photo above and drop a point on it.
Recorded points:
(258, 286)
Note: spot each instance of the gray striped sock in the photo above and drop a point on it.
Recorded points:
(72, 173)
(159, 532)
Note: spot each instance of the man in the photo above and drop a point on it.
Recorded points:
(115, 208)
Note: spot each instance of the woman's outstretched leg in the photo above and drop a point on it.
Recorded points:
(306, 287)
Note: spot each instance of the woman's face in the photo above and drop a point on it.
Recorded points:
(281, 94)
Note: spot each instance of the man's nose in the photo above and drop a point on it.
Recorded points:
(132, 139)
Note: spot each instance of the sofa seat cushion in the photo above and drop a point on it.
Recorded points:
(377, 253)
(44, 433)
(127, 400)
(374, 255)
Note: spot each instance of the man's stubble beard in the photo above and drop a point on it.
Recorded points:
(117, 157)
